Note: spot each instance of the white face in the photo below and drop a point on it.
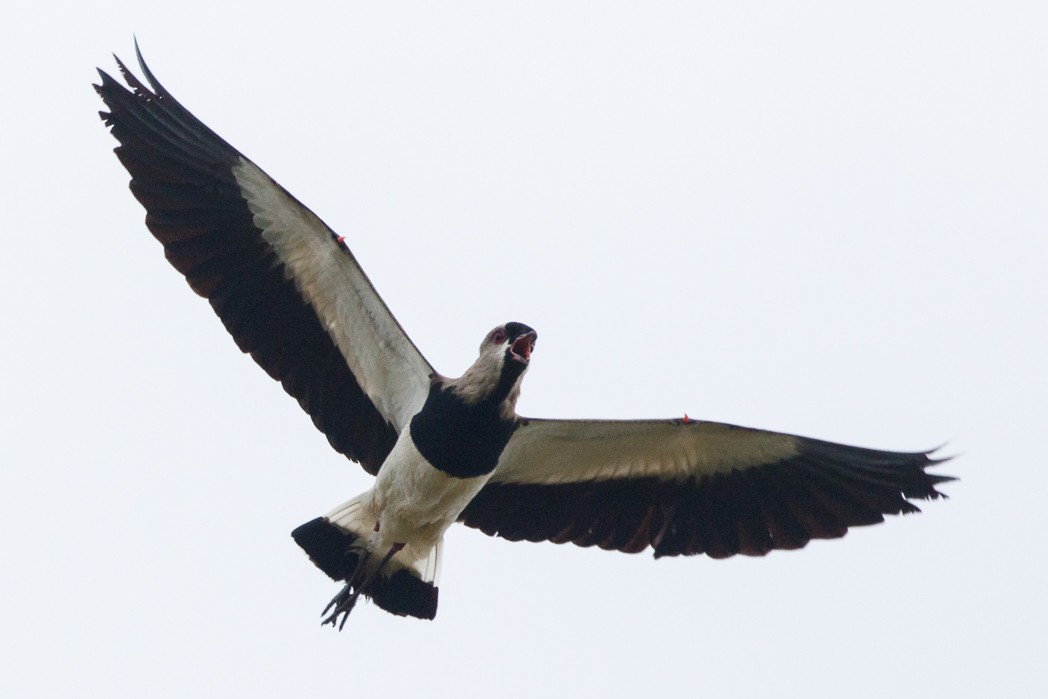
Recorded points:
(518, 338)
(492, 354)
(495, 339)
(507, 348)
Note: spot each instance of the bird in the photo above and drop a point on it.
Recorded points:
(454, 450)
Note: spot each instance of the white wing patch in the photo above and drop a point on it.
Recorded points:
(387, 366)
(571, 451)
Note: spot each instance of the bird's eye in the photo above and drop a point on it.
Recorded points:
(498, 337)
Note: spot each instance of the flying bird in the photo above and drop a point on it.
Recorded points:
(446, 450)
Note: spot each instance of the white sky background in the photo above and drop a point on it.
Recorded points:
(826, 218)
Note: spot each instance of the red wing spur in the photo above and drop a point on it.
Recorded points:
(447, 450)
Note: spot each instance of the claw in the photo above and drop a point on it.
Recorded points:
(346, 599)
(343, 603)
(336, 599)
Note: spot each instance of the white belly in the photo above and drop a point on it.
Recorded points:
(414, 502)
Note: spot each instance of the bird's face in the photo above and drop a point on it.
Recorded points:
(510, 344)
(504, 357)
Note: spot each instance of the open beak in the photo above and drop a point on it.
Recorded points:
(522, 347)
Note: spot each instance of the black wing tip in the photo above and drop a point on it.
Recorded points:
(931, 480)
(104, 77)
(113, 92)
(153, 82)
(922, 459)
(933, 460)
(934, 457)
(108, 83)
(126, 73)
(153, 90)
(904, 473)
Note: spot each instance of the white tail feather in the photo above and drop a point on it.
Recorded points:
(430, 568)
(355, 516)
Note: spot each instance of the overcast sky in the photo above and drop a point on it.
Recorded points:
(824, 218)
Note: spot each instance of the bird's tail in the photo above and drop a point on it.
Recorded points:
(339, 543)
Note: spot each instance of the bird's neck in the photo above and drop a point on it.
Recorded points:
(489, 387)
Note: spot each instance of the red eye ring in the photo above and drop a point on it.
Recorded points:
(498, 337)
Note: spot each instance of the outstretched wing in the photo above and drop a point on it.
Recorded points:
(285, 285)
(685, 487)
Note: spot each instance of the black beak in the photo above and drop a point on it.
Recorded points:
(521, 348)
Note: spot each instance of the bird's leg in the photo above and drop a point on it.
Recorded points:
(345, 600)
(351, 581)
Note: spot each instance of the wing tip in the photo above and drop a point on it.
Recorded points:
(158, 89)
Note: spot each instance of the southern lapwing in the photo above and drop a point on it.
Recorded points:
(291, 294)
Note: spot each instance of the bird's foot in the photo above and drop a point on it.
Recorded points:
(345, 600)
(343, 604)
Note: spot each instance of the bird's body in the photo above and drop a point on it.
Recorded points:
(443, 450)
(415, 502)
(440, 461)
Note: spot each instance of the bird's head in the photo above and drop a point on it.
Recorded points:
(504, 357)
(511, 345)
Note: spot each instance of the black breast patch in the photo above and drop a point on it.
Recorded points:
(460, 439)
